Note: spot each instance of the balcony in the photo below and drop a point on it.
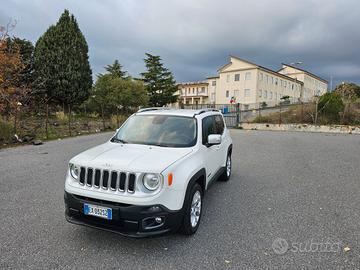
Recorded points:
(199, 93)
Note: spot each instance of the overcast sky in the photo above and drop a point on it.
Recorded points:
(196, 37)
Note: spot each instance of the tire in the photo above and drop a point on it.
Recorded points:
(227, 172)
(191, 220)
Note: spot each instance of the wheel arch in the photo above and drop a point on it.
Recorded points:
(200, 178)
(230, 149)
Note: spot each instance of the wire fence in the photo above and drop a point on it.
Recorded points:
(283, 113)
(237, 113)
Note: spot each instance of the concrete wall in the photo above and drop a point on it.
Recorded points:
(302, 127)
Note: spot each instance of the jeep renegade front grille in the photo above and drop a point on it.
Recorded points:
(107, 180)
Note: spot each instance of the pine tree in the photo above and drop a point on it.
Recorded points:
(159, 82)
(61, 62)
(115, 70)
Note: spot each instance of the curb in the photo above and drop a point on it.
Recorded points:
(336, 129)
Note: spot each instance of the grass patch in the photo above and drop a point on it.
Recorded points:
(34, 127)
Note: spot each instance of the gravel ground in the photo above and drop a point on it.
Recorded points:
(292, 203)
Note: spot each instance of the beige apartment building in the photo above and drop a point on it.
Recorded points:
(313, 85)
(241, 81)
(193, 93)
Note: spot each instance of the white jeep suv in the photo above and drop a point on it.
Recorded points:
(150, 177)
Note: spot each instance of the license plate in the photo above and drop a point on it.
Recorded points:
(97, 211)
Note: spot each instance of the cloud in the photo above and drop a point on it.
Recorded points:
(194, 38)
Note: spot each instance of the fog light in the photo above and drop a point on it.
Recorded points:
(158, 220)
(153, 222)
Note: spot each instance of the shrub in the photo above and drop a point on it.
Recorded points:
(263, 119)
(114, 119)
(5, 131)
(61, 116)
(330, 105)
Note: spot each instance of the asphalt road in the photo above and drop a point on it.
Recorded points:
(300, 187)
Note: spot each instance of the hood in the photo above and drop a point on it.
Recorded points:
(130, 157)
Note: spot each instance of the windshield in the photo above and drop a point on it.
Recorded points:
(160, 130)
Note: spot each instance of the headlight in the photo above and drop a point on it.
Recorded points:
(151, 181)
(74, 171)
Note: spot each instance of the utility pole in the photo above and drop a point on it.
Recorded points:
(331, 83)
(280, 120)
(316, 110)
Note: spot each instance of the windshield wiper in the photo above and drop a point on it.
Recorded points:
(159, 144)
(113, 139)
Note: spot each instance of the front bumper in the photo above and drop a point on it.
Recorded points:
(127, 219)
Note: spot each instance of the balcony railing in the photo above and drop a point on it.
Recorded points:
(196, 94)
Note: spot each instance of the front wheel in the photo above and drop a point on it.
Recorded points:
(193, 207)
(227, 172)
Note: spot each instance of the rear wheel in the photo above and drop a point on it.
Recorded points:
(193, 210)
(227, 172)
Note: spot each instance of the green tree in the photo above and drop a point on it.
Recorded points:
(100, 95)
(159, 82)
(61, 62)
(126, 94)
(111, 95)
(115, 70)
(329, 106)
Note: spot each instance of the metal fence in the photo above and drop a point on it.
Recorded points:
(237, 113)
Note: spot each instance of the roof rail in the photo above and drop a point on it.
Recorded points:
(207, 110)
(153, 109)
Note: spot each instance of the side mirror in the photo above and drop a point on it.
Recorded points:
(214, 139)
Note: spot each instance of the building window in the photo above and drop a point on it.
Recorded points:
(227, 93)
(285, 83)
(237, 93)
(261, 77)
(271, 95)
(212, 96)
(267, 78)
(260, 93)
(213, 83)
(228, 78)
(292, 86)
(193, 90)
(276, 81)
(248, 76)
(247, 92)
(237, 77)
(265, 94)
(272, 80)
(202, 89)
